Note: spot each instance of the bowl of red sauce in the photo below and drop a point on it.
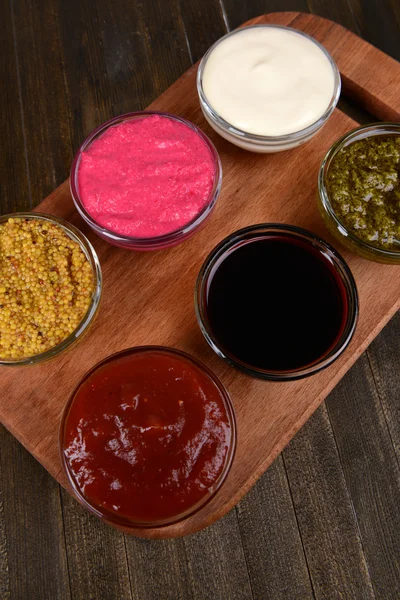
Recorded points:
(146, 180)
(147, 438)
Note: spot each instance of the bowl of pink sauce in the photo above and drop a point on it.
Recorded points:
(146, 180)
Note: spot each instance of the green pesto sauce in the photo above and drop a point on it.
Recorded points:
(363, 186)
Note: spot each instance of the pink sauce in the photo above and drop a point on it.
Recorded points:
(146, 177)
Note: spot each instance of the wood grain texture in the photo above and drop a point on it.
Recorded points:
(145, 53)
(41, 509)
(208, 565)
(270, 535)
(14, 176)
(87, 90)
(5, 590)
(159, 570)
(46, 122)
(373, 466)
(368, 13)
(384, 355)
(194, 15)
(237, 12)
(259, 442)
(222, 573)
(166, 44)
(334, 553)
(339, 11)
(100, 568)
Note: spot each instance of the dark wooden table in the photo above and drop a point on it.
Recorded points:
(324, 521)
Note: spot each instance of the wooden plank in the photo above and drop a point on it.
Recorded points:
(338, 11)
(384, 355)
(208, 565)
(97, 559)
(158, 569)
(271, 539)
(15, 185)
(45, 127)
(167, 49)
(237, 12)
(372, 474)
(216, 562)
(325, 514)
(32, 500)
(136, 70)
(27, 495)
(371, 12)
(87, 89)
(5, 588)
(261, 441)
(195, 15)
(15, 194)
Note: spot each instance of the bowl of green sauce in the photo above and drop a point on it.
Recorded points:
(359, 191)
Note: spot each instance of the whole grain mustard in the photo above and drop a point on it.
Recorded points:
(46, 285)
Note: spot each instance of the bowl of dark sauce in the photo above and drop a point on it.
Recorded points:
(276, 301)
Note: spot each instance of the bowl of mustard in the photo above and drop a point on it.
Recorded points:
(50, 287)
(359, 191)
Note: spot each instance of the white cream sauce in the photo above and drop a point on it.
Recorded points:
(268, 81)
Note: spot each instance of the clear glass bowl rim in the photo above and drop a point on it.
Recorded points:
(256, 231)
(141, 242)
(263, 139)
(90, 253)
(230, 411)
(381, 128)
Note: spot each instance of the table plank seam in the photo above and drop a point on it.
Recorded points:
(66, 89)
(5, 590)
(244, 552)
(378, 393)
(298, 525)
(224, 15)
(181, 545)
(128, 568)
(353, 14)
(65, 541)
(20, 103)
(186, 36)
(352, 505)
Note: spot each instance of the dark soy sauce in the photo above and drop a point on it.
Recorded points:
(276, 303)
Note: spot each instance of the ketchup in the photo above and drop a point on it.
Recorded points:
(147, 437)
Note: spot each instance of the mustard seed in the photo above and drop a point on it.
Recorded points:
(46, 286)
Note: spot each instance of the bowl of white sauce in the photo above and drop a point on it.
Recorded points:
(267, 88)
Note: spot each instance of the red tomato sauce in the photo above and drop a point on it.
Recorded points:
(147, 436)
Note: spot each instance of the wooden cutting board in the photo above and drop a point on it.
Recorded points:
(148, 298)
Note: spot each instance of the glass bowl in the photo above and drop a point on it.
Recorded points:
(304, 237)
(111, 517)
(90, 253)
(335, 226)
(261, 143)
(143, 243)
